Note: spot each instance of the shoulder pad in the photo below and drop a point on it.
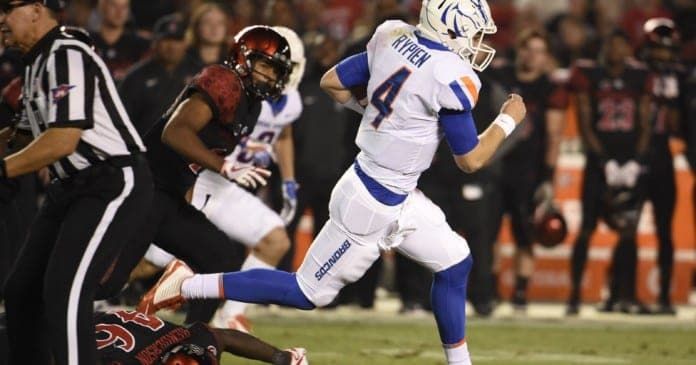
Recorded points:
(295, 101)
(459, 84)
(389, 28)
(222, 89)
(389, 25)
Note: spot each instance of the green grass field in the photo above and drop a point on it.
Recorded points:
(381, 339)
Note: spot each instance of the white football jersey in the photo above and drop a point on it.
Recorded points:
(273, 119)
(411, 79)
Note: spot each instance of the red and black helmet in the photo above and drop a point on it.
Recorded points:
(261, 43)
(550, 227)
(188, 354)
(661, 43)
(622, 208)
(661, 32)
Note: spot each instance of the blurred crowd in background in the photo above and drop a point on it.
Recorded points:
(154, 47)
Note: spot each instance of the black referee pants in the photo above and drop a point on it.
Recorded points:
(180, 229)
(83, 223)
(15, 217)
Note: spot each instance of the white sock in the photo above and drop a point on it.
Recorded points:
(457, 355)
(232, 308)
(203, 286)
(158, 256)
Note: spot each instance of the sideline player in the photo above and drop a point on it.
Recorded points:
(529, 164)
(661, 53)
(421, 84)
(218, 109)
(243, 216)
(129, 337)
(613, 112)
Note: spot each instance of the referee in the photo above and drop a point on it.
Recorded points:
(101, 189)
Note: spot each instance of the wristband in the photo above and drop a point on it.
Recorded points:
(506, 123)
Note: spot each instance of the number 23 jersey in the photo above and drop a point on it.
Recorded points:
(412, 79)
(615, 103)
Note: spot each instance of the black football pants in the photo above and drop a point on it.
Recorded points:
(624, 260)
(662, 192)
(593, 188)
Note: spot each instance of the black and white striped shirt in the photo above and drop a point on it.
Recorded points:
(66, 84)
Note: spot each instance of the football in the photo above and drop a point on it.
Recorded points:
(360, 92)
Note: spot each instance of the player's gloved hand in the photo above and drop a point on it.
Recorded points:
(262, 159)
(289, 201)
(262, 153)
(245, 175)
(544, 193)
(667, 87)
(612, 173)
(631, 172)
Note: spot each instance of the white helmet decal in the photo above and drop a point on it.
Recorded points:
(460, 25)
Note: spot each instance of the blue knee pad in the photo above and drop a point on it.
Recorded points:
(448, 298)
(264, 286)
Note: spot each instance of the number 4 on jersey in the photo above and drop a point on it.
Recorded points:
(384, 95)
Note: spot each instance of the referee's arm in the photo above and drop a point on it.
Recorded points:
(69, 80)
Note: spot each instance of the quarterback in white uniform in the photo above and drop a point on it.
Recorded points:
(421, 87)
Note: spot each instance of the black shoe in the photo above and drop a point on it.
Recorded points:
(625, 307)
(519, 303)
(573, 309)
(609, 306)
(411, 308)
(641, 308)
(484, 309)
(634, 307)
(666, 308)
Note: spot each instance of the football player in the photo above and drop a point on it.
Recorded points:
(129, 337)
(660, 52)
(243, 216)
(613, 105)
(421, 84)
(529, 163)
(216, 111)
